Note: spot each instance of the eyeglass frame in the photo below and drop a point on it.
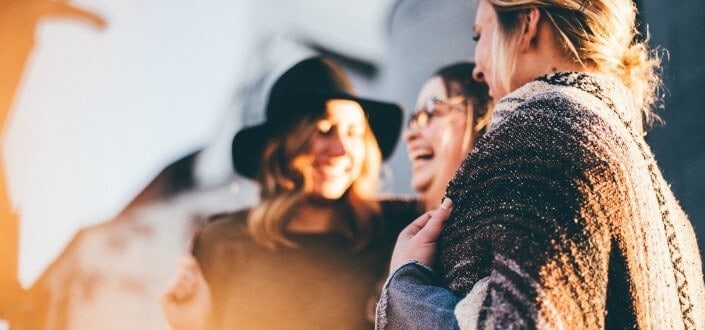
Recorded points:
(421, 118)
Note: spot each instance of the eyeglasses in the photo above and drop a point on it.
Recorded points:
(434, 108)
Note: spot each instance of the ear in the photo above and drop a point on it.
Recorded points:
(531, 29)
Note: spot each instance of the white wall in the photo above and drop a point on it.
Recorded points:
(101, 111)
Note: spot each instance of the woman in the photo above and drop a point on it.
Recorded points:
(311, 253)
(453, 111)
(561, 216)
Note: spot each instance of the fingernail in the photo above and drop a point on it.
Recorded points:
(447, 203)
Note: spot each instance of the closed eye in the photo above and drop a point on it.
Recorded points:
(325, 127)
(356, 131)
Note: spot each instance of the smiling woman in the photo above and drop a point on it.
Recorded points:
(318, 243)
(338, 149)
(453, 112)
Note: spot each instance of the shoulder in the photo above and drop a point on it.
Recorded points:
(228, 219)
(577, 108)
(560, 121)
(543, 132)
(224, 226)
(554, 107)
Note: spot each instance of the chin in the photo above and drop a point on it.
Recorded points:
(331, 193)
(325, 196)
(420, 186)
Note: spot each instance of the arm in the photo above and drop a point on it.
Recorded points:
(412, 298)
(531, 217)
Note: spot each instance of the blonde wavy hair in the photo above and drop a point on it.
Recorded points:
(600, 34)
(284, 189)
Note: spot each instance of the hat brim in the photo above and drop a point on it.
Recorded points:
(247, 148)
(385, 120)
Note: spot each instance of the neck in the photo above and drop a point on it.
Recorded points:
(546, 63)
(544, 58)
(432, 196)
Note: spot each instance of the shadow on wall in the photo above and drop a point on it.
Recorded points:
(18, 23)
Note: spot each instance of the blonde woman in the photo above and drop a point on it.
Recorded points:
(560, 216)
(311, 253)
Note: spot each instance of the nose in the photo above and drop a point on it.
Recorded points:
(478, 75)
(411, 134)
(336, 145)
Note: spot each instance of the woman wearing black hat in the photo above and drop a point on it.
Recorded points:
(311, 253)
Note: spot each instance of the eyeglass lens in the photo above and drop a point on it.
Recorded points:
(433, 108)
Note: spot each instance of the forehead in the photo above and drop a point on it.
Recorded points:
(340, 110)
(485, 14)
(433, 88)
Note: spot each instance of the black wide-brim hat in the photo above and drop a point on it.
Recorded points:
(302, 92)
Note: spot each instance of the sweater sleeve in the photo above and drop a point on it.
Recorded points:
(527, 217)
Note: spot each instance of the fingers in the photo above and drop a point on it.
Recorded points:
(415, 226)
(434, 225)
(186, 303)
(418, 240)
(182, 286)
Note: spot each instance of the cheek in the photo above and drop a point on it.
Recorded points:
(451, 145)
(481, 54)
(357, 152)
(315, 147)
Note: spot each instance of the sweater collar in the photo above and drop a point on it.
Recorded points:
(608, 91)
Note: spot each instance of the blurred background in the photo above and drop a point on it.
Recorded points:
(117, 118)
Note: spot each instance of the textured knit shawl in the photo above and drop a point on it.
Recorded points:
(563, 220)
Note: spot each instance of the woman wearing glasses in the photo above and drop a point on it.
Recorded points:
(453, 111)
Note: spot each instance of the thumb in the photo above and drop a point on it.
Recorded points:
(431, 231)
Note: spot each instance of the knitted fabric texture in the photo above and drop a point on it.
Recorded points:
(561, 206)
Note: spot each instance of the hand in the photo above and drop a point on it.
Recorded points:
(418, 240)
(186, 301)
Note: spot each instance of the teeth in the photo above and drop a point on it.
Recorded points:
(420, 153)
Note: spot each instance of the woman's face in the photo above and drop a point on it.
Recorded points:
(435, 144)
(337, 150)
(484, 29)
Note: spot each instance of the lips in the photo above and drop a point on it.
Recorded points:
(332, 170)
(420, 154)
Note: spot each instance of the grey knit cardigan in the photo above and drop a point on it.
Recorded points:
(562, 218)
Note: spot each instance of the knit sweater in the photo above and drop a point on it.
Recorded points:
(563, 219)
(322, 283)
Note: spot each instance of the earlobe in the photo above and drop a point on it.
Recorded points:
(530, 30)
